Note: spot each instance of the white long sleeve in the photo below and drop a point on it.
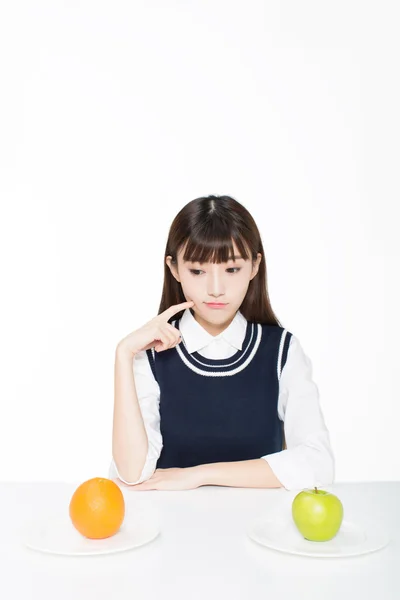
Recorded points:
(308, 460)
(148, 393)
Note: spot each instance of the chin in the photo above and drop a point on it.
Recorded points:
(218, 316)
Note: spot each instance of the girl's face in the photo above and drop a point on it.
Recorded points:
(224, 283)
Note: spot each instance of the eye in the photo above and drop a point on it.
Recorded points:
(231, 271)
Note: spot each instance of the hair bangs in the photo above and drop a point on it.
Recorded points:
(203, 249)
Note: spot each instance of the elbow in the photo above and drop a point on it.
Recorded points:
(134, 478)
(127, 477)
(129, 482)
(147, 468)
(325, 471)
(306, 467)
(332, 470)
(319, 466)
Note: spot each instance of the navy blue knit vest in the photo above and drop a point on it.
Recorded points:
(221, 410)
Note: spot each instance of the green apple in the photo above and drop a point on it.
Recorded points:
(317, 514)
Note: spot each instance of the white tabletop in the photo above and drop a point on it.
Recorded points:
(202, 551)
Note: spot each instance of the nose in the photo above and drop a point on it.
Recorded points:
(215, 284)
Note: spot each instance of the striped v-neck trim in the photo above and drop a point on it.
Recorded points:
(222, 367)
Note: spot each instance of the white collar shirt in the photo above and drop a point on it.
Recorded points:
(223, 345)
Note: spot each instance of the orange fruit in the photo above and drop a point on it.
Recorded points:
(97, 508)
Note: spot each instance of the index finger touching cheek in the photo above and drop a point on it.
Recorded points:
(175, 308)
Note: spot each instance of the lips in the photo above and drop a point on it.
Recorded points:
(215, 304)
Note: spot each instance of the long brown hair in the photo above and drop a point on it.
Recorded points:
(206, 227)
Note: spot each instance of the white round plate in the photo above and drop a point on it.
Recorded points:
(57, 535)
(351, 540)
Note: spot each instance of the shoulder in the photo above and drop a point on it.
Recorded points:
(297, 363)
(289, 342)
(276, 331)
(290, 352)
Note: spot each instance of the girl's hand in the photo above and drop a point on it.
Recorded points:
(157, 332)
(171, 479)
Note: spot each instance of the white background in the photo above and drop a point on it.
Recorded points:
(113, 116)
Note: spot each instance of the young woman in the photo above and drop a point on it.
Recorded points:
(213, 390)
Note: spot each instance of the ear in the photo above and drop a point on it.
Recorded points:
(172, 268)
(256, 266)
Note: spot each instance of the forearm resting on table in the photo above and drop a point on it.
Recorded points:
(244, 473)
(129, 438)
